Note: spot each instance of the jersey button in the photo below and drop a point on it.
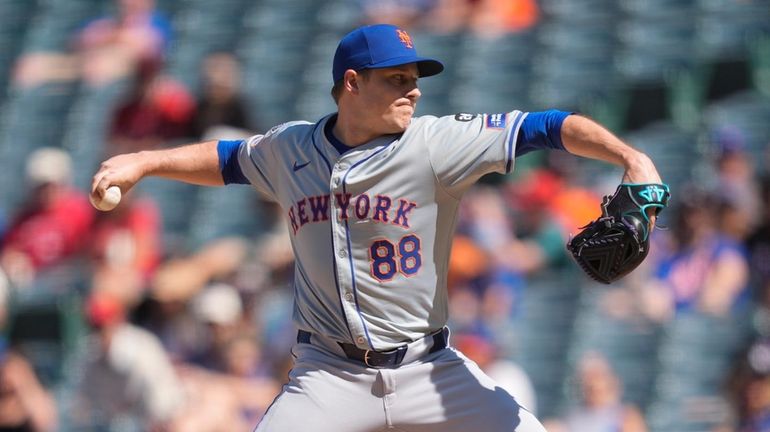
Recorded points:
(342, 253)
(348, 296)
(360, 340)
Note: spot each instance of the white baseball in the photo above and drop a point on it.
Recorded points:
(109, 201)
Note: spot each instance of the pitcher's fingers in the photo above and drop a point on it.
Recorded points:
(101, 186)
(98, 177)
(95, 180)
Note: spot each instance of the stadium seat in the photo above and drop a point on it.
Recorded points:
(176, 202)
(575, 44)
(746, 113)
(760, 62)
(46, 322)
(437, 88)
(544, 326)
(274, 46)
(672, 149)
(87, 130)
(56, 22)
(314, 99)
(14, 18)
(200, 28)
(169, 7)
(339, 16)
(630, 344)
(655, 38)
(583, 11)
(695, 355)
(214, 217)
(34, 118)
(503, 82)
(726, 27)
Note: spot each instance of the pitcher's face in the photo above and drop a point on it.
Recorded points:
(390, 96)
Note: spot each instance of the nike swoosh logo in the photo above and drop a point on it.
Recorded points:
(298, 167)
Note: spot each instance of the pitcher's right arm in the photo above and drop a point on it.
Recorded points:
(193, 163)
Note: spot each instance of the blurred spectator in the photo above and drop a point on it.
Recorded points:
(467, 262)
(267, 282)
(112, 47)
(486, 219)
(105, 50)
(181, 278)
(156, 111)
(211, 404)
(556, 187)
(220, 307)
(221, 109)
(758, 245)
(483, 288)
(229, 387)
(483, 297)
(181, 334)
(37, 68)
(402, 13)
(25, 405)
(128, 377)
(750, 389)
(274, 245)
(126, 248)
(700, 267)
(51, 225)
(736, 181)
(733, 218)
(493, 18)
(547, 207)
(485, 18)
(509, 375)
(759, 250)
(501, 244)
(600, 407)
(174, 311)
(445, 16)
(465, 309)
(250, 381)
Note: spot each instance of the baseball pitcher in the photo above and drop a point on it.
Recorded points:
(371, 195)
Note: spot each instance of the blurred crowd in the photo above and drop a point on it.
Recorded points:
(151, 336)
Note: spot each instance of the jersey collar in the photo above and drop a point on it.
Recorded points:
(341, 147)
(328, 131)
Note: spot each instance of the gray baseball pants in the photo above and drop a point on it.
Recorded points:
(439, 392)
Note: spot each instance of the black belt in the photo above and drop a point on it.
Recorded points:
(382, 359)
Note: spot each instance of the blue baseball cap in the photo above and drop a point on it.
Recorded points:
(380, 46)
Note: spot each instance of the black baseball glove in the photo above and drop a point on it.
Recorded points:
(616, 243)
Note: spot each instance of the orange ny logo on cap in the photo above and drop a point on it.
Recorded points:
(405, 38)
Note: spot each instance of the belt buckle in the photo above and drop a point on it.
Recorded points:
(366, 359)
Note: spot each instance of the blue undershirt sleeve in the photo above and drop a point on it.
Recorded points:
(228, 162)
(541, 130)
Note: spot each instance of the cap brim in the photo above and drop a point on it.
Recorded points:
(426, 66)
(430, 67)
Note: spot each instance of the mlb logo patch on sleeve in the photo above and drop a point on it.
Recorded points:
(496, 121)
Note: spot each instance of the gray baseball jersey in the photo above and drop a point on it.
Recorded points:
(372, 228)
